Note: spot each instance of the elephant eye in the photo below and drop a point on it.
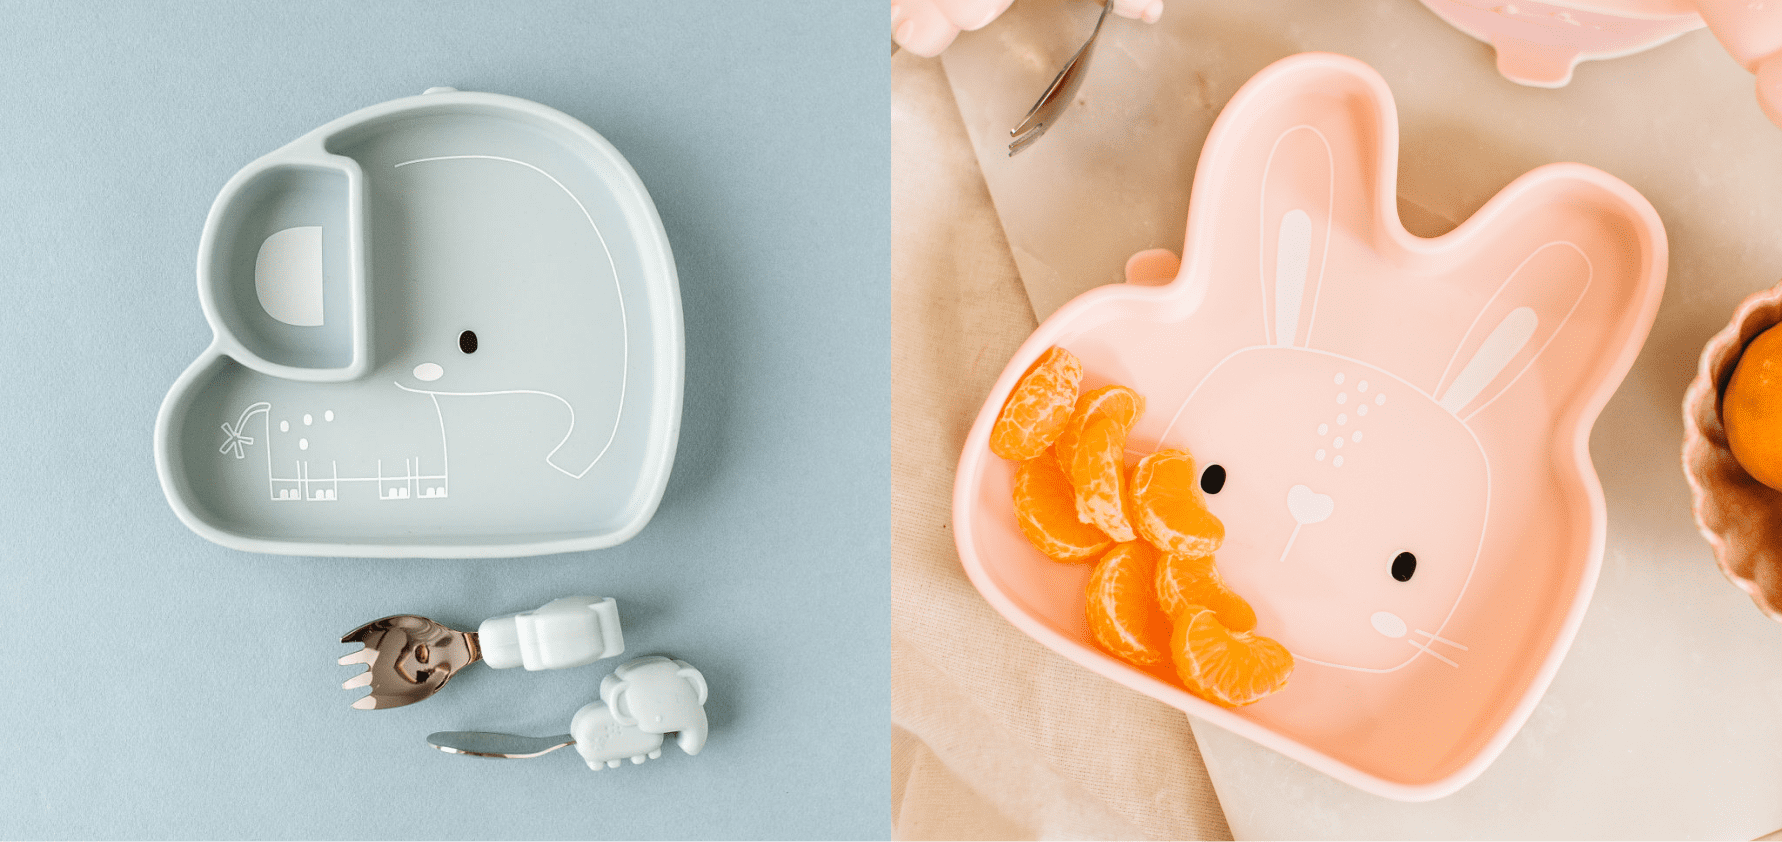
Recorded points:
(467, 342)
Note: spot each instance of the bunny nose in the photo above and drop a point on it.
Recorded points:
(1309, 506)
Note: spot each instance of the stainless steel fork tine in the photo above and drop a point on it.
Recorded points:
(1031, 120)
(1027, 139)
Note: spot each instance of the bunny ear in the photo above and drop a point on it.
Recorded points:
(1518, 322)
(1302, 184)
(1500, 348)
(1583, 264)
(1290, 180)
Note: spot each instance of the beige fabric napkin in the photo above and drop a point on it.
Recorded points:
(993, 735)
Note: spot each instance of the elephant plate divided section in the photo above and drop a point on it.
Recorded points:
(522, 387)
(1367, 395)
(279, 268)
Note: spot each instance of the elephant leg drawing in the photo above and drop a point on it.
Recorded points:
(310, 475)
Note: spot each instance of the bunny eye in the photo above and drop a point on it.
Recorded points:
(1212, 479)
(1403, 565)
(467, 342)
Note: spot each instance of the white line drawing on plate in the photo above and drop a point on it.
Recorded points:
(303, 482)
(1334, 517)
(618, 291)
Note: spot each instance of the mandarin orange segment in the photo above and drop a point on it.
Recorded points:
(1046, 508)
(1226, 667)
(1038, 407)
(1123, 615)
(1185, 581)
(1116, 402)
(1166, 506)
(1098, 471)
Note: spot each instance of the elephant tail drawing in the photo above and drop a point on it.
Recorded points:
(237, 440)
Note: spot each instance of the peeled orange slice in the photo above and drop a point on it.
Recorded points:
(1185, 581)
(1123, 614)
(1225, 667)
(1166, 506)
(1117, 402)
(1038, 407)
(1098, 471)
(1046, 509)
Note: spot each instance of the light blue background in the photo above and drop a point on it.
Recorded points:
(161, 686)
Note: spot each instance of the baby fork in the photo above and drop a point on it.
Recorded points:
(411, 657)
(1058, 95)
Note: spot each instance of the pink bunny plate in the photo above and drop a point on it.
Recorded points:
(1402, 423)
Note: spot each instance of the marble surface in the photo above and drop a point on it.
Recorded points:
(1665, 720)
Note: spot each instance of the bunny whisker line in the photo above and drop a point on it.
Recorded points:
(1432, 653)
(1436, 638)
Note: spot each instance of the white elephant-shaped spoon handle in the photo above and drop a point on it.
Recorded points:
(640, 702)
(657, 695)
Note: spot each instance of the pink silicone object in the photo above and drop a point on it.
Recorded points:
(1368, 393)
(1539, 43)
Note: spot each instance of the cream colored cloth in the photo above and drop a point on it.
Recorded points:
(993, 735)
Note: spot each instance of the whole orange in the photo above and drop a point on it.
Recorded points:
(1751, 409)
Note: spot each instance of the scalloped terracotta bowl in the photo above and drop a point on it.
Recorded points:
(1740, 517)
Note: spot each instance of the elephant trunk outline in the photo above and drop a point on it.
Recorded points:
(550, 458)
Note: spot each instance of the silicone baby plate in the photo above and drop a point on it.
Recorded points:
(1540, 43)
(447, 325)
(1366, 394)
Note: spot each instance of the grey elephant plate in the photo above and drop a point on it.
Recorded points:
(447, 325)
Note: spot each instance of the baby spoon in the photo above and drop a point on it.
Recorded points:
(641, 701)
